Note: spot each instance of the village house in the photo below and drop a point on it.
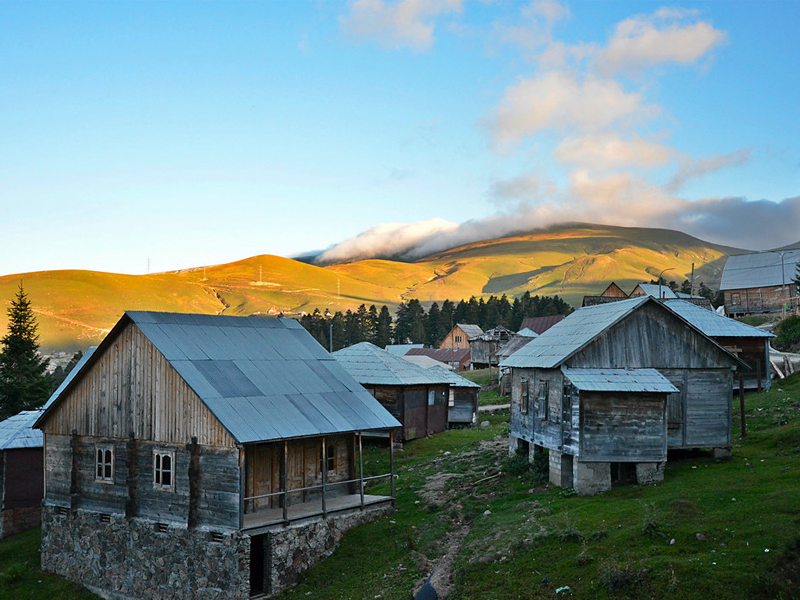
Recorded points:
(462, 404)
(458, 359)
(200, 456)
(586, 390)
(483, 347)
(459, 336)
(762, 282)
(416, 397)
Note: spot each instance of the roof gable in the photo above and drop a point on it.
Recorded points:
(469, 330)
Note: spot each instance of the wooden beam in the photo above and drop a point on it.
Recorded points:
(360, 470)
(285, 481)
(741, 404)
(391, 461)
(324, 476)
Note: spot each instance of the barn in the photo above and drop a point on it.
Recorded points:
(416, 397)
(549, 404)
(200, 456)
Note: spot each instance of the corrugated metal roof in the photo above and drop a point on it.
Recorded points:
(454, 379)
(17, 432)
(426, 362)
(570, 335)
(713, 324)
(262, 378)
(762, 269)
(70, 376)
(527, 332)
(402, 349)
(619, 380)
(654, 290)
(470, 331)
(513, 345)
(445, 355)
(541, 324)
(369, 365)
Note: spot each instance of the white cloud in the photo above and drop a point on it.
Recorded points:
(563, 101)
(697, 168)
(608, 150)
(401, 24)
(663, 37)
(533, 28)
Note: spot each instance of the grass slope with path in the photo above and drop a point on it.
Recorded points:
(488, 530)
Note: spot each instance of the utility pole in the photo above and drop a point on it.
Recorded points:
(691, 285)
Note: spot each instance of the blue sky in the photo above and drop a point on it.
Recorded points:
(199, 133)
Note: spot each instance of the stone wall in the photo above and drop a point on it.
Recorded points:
(296, 548)
(124, 559)
(561, 469)
(591, 478)
(15, 520)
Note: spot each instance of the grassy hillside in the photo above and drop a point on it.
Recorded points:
(483, 525)
(76, 308)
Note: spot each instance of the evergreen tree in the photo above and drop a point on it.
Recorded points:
(24, 385)
(383, 330)
(432, 325)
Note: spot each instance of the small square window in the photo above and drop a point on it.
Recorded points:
(104, 464)
(164, 470)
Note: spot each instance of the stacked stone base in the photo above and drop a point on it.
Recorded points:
(136, 559)
(16, 520)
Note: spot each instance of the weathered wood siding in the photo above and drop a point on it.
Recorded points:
(755, 352)
(71, 481)
(700, 415)
(759, 300)
(464, 405)
(547, 432)
(450, 341)
(480, 351)
(132, 389)
(412, 406)
(617, 427)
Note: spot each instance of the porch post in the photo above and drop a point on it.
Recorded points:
(285, 481)
(324, 475)
(391, 461)
(360, 470)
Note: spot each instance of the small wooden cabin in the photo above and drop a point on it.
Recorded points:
(460, 335)
(21, 473)
(750, 344)
(416, 397)
(483, 348)
(639, 333)
(190, 453)
(761, 282)
(463, 399)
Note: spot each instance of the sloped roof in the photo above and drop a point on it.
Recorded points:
(454, 379)
(619, 380)
(70, 376)
(568, 336)
(402, 349)
(541, 324)
(17, 432)
(445, 355)
(426, 362)
(513, 345)
(762, 269)
(525, 332)
(652, 289)
(370, 365)
(262, 378)
(471, 331)
(713, 324)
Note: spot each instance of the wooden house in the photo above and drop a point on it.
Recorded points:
(639, 333)
(462, 404)
(459, 336)
(416, 397)
(458, 359)
(750, 344)
(760, 283)
(21, 473)
(655, 290)
(483, 348)
(200, 456)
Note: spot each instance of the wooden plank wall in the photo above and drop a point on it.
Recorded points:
(132, 388)
(618, 427)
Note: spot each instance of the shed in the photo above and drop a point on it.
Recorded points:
(460, 335)
(204, 435)
(638, 333)
(750, 344)
(416, 397)
(761, 282)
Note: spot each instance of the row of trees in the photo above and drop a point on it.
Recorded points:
(412, 324)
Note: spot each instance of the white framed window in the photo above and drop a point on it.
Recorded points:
(164, 470)
(104, 464)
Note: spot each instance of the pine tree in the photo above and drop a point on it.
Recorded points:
(24, 385)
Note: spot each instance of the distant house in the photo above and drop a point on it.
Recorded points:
(402, 349)
(463, 398)
(416, 397)
(201, 456)
(458, 359)
(514, 344)
(21, 473)
(540, 324)
(749, 343)
(484, 346)
(459, 336)
(652, 289)
(760, 283)
(585, 389)
(426, 362)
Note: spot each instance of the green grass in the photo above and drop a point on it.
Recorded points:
(755, 320)
(487, 379)
(21, 579)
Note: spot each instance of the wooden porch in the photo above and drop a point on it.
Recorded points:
(307, 510)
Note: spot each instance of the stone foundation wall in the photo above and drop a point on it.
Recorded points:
(591, 478)
(299, 547)
(561, 469)
(121, 559)
(15, 520)
(647, 473)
